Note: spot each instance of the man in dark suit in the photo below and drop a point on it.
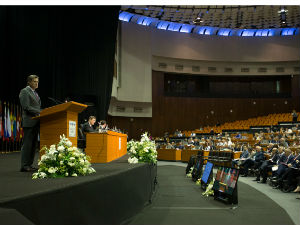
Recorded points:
(31, 107)
(267, 165)
(89, 125)
(255, 162)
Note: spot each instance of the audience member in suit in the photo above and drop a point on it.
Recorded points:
(291, 171)
(266, 166)
(294, 115)
(255, 161)
(31, 107)
(283, 166)
(89, 125)
(244, 155)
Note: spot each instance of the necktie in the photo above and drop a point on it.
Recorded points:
(36, 95)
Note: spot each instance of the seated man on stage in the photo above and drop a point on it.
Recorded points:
(89, 125)
(102, 126)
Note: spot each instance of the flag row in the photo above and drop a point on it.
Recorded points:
(10, 122)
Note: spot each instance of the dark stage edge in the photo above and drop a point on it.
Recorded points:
(178, 201)
(117, 191)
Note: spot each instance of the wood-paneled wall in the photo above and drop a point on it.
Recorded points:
(134, 126)
(171, 113)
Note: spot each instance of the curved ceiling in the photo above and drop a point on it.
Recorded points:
(240, 17)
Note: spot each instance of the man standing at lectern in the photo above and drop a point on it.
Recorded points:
(31, 107)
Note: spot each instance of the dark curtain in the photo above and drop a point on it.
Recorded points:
(71, 49)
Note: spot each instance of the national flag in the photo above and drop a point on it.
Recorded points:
(1, 124)
(18, 123)
(5, 133)
(8, 122)
(21, 132)
(11, 117)
(14, 122)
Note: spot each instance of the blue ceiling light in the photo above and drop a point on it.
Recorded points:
(246, 32)
(288, 31)
(264, 32)
(140, 20)
(204, 30)
(147, 21)
(174, 26)
(224, 32)
(185, 28)
(144, 20)
(162, 25)
(125, 16)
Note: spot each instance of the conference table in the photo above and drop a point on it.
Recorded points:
(105, 147)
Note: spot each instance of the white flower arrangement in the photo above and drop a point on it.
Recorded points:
(142, 151)
(63, 160)
(209, 191)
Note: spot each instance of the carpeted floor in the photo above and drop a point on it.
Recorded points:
(178, 200)
(15, 184)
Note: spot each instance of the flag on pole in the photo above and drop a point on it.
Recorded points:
(5, 133)
(21, 132)
(8, 122)
(14, 122)
(1, 124)
(11, 117)
(18, 123)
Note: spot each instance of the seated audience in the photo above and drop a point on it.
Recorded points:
(255, 161)
(267, 165)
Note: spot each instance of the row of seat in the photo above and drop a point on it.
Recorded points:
(270, 119)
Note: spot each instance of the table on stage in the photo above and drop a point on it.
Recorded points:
(105, 147)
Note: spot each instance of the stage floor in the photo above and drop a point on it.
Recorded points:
(105, 197)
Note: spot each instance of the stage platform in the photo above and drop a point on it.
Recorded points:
(117, 191)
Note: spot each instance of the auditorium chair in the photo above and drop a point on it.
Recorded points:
(81, 140)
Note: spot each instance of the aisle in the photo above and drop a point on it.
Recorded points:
(179, 201)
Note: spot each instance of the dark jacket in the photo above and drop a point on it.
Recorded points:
(87, 128)
(31, 107)
(259, 156)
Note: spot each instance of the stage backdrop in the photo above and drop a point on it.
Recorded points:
(71, 49)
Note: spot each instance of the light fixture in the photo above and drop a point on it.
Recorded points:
(199, 19)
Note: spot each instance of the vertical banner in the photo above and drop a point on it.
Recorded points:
(72, 128)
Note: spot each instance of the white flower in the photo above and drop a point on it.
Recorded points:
(92, 170)
(44, 157)
(69, 143)
(65, 156)
(81, 161)
(133, 160)
(43, 175)
(51, 170)
(60, 148)
(71, 164)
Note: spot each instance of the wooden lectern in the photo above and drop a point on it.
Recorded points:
(105, 147)
(58, 120)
